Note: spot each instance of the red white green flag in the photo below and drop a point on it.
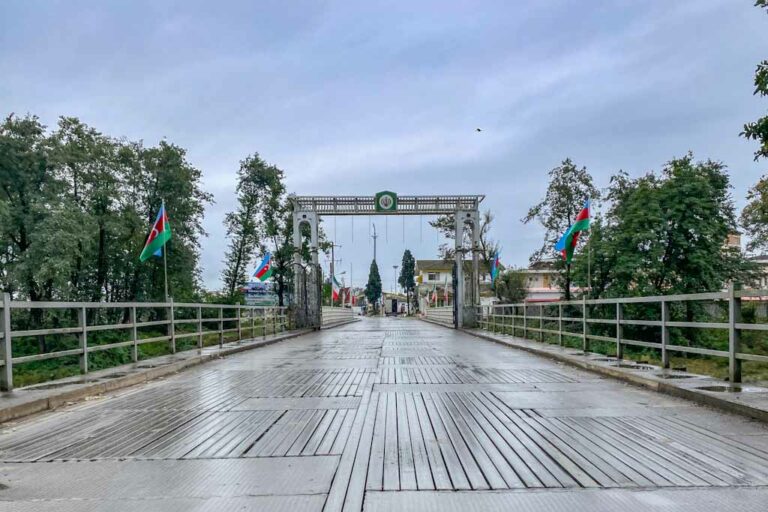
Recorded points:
(160, 234)
(336, 287)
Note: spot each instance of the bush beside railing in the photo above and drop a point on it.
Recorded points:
(715, 322)
(85, 329)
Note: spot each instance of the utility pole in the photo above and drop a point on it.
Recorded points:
(394, 281)
(374, 236)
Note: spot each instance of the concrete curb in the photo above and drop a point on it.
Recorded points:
(722, 402)
(435, 322)
(56, 400)
(339, 324)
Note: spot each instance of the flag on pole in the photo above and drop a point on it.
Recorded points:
(264, 270)
(445, 291)
(494, 267)
(160, 234)
(570, 238)
(336, 288)
(434, 294)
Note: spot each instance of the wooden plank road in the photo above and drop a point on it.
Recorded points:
(384, 414)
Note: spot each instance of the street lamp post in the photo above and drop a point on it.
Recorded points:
(394, 281)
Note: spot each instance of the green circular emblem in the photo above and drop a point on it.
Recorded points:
(385, 201)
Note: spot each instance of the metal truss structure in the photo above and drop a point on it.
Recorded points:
(406, 205)
(309, 209)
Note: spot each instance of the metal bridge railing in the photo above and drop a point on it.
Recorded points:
(442, 315)
(143, 321)
(333, 316)
(608, 320)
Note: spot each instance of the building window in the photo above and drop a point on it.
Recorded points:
(433, 276)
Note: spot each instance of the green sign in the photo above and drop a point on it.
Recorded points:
(385, 201)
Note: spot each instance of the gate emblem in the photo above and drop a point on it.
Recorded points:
(385, 201)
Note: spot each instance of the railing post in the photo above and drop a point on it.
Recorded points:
(541, 323)
(172, 327)
(134, 336)
(82, 322)
(584, 333)
(239, 323)
(200, 328)
(664, 334)
(221, 327)
(525, 320)
(264, 323)
(274, 321)
(560, 324)
(253, 323)
(6, 375)
(734, 334)
(503, 320)
(619, 331)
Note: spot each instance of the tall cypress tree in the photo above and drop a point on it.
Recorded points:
(373, 288)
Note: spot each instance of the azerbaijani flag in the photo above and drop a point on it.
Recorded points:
(264, 270)
(494, 267)
(570, 238)
(335, 296)
(160, 234)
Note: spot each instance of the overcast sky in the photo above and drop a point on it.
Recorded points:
(354, 97)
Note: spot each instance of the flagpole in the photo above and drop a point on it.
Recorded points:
(165, 259)
(165, 270)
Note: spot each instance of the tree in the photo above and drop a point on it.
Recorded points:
(76, 206)
(569, 187)
(511, 286)
(407, 274)
(754, 217)
(758, 130)
(446, 225)
(255, 223)
(373, 288)
(665, 233)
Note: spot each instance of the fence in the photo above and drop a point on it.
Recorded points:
(442, 315)
(131, 317)
(333, 316)
(576, 319)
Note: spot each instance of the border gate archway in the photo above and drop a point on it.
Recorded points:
(309, 209)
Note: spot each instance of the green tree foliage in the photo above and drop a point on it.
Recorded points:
(754, 217)
(510, 286)
(255, 221)
(373, 288)
(569, 187)
(76, 207)
(758, 130)
(665, 233)
(407, 278)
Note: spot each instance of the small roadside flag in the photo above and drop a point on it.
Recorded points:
(494, 267)
(570, 238)
(336, 289)
(264, 270)
(160, 234)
